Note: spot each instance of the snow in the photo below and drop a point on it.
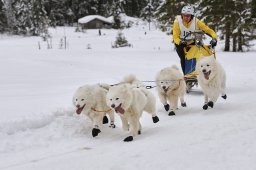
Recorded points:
(39, 130)
(89, 18)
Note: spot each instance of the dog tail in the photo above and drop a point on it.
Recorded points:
(130, 79)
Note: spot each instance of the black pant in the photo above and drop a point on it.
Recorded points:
(180, 51)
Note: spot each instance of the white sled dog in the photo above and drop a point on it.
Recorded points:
(91, 101)
(151, 100)
(171, 87)
(212, 79)
(129, 103)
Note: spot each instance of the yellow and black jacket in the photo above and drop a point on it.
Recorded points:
(198, 25)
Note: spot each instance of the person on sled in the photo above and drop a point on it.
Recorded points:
(183, 27)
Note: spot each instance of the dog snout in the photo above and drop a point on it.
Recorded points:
(113, 105)
(204, 70)
(164, 87)
(78, 106)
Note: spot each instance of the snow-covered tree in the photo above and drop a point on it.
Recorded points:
(82, 8)
(40, 21)
(253, 8)
(3, 20)
(22, 11)
(55, 10)
(169, 9)
(120, 41)
(233, 18)
(242, 25)
(117, 9)
(147, 13)
(30, 17)
(10, 16)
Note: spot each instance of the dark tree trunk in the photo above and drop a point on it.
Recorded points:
(227, 38)
(234, 43)
(240, 40)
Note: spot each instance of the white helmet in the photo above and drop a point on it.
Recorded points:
(187, 10)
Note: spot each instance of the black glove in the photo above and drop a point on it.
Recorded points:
(183, 42)
(213, 42)
(198, 43)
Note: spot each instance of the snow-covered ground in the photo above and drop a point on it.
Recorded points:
(39, 130)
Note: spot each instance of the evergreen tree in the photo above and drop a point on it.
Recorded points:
(169, 9)
(211, 12)
(30, 17)
(235, 22)
(39, 19)
(23, 16)
(101, 7)
(216, 14)
(83, 8)
(3, 19)
(116, 11)
(10, 15)
(56, 12)
(94, 7)
(133, 7)
(244, 24)
(253, 8)
(147, 13)
(108, 8)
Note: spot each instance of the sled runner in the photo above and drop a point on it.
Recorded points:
(193, 51)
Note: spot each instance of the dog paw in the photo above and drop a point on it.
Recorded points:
(171, 113)
(105, 120)
(139, 132)
(166, 107)
(95, 132)
(210, 103)
(184, 104)
(224, 96)
(128, 139)
(155, 119)
(205, 107)
(112, 125)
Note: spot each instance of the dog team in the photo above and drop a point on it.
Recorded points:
(130, 97)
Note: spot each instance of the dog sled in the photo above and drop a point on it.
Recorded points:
(193, 51)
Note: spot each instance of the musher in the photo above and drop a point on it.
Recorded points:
(183, 28)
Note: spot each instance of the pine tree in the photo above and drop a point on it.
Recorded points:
(133, 7)
(3, 19)
(169, 9)
(39, 19)
(244, 25)
(23, 16)
(147, 13)
(30, 17)
(216, 14)
(211, 12)
(10, 14)
(253, 8)
(100, 7)
(116, 11)
(55, 10)
(120, 41)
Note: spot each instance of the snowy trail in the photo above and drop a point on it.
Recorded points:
(38, 129)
